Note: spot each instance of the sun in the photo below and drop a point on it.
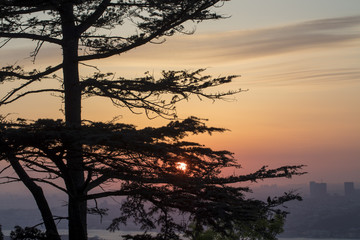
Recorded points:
(181, 166)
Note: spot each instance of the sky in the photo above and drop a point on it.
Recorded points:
(299, 64)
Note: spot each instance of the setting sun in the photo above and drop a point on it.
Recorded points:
(181, 166)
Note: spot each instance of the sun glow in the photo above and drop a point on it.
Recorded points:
(181, 166)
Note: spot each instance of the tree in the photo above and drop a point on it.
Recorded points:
(266, 227)
(1, 234)
(86, 155)
(29, 233)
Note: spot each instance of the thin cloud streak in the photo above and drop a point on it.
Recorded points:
(242, 45)
(312, 77)
(227, 47)
(237, 47)
(303, 36)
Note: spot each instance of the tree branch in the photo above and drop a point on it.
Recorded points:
(51, 184)
(12, 73)
(111, 193)
(172, 21)
(27, 93)
(32, 37)
(93, 17)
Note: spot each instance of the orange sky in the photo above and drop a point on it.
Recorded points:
(301, 70)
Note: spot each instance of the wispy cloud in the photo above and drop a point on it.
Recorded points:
(225, 47)
(240, 45)
(236, 47)
(310, 77)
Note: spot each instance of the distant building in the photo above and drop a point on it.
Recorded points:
(349, 188)
(318, 189)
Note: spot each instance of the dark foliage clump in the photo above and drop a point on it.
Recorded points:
(27, 233)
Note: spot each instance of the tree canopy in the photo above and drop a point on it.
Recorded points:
(91, 160)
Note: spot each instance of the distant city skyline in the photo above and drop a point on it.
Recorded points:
(333, 215)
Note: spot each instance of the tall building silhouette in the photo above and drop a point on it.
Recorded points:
(318, 189)
(349, 188)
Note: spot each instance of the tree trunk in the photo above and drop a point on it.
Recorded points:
(41, 202)
(77, 209)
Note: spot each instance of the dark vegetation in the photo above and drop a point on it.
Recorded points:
(27, 233)
(1, 234)
(81, 158)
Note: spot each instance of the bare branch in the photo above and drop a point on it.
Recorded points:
(31, 36)
(41, 180)
(11, 72)
(5, 168)
(2, 102)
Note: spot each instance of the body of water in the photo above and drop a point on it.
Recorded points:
(92, 234)
(106, 235)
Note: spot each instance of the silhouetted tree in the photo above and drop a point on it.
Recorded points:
(27, 233)
(87, 156)
(264, 227)
(1, 234)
